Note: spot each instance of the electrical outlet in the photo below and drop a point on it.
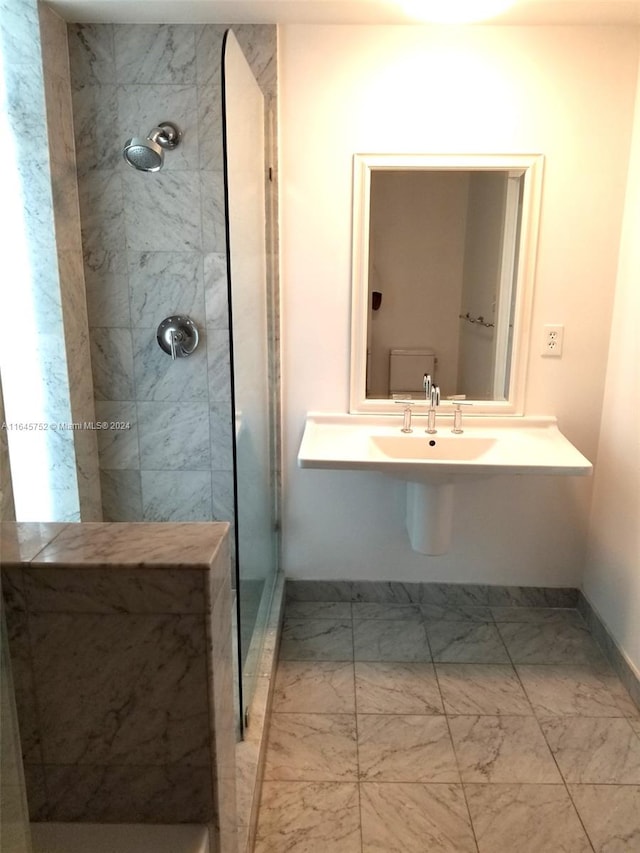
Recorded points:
(552, 341)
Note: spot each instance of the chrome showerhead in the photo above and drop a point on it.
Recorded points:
(147, 155)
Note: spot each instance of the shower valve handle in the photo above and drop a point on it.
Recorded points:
(177, 336)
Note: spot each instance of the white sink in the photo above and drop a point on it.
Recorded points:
(488, 447)
(432, 463)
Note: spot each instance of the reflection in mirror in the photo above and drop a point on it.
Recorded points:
(442, 273)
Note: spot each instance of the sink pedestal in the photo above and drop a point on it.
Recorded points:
(430, 516)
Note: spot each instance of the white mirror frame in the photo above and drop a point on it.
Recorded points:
(531, 166)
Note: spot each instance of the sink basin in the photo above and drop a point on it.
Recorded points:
(432, 463)
(423, 447)
(488, 447)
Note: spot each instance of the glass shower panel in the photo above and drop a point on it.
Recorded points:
(244, 153)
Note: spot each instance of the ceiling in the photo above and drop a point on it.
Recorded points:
(524, 12)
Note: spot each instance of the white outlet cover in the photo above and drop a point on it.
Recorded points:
(552, 340)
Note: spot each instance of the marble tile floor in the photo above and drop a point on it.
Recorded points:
(407, 729)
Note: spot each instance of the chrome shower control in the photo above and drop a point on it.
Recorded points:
(178, 336)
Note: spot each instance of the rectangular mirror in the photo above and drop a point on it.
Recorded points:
(443, 267)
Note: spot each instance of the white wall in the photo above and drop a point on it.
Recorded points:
(567, 93)
(612, 577)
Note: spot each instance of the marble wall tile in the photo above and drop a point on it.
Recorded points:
(159, 378)
(138, 113)
(128, 794)
(215, 290)
(118, 448)
(611, 815)
(53, 40)
(456, 613)
(112, 364)
(19, 26)
(24, 685)
(101, 212)
(323, 687)
(130, 689)
(222, 701)
(95, 121)
(502, 749)
(259, 45)
(532, 596)
(481, 689)
(66, 590)
(559, 615)
(174, 436)
(162, 211)
(176, 496)
(219, 366)
(91, 55)
(107, 287)
(611, 651)
(315, 815)
(456, 594)
(208, 53)
(222, 495)
(155, 53)
(121, 495)
(35, 784)
(12, 587)
(25, 110)
(412, 818)
(405, 748)
(527, 818)
(594, 750)
(210, 126)
(221, 437)
(165, 283)
(391, 592)
(59, 124)
(296, 590)
(213, 218)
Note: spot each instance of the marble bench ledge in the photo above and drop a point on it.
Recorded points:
(98, 545)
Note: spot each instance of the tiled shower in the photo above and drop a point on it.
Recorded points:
(153, 246)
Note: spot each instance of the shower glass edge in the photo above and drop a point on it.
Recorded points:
(252, 348)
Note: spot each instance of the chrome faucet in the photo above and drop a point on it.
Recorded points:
(406, 421)
(427, 384)
(431, 414)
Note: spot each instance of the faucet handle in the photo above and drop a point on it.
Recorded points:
(407, 403)
(458, 401)
(435, 396)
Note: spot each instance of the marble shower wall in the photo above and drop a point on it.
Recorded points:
(154, 245)
(37, 272)
(66, 215)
